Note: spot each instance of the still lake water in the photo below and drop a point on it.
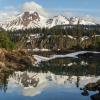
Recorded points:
(58, 79)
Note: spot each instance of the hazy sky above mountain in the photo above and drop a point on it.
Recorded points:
(51, 7)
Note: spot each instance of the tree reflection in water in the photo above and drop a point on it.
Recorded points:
(64, 67)
(4, 80)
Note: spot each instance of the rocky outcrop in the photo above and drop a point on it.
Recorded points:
(15, 60)
(27, 18)
(92, 87)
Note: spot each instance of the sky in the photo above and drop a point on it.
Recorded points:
(51, 7)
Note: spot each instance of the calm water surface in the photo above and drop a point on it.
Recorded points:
(59, 79)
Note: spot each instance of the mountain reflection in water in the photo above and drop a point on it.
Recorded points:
(54, 79)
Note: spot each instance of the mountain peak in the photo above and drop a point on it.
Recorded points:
(27, 17)
(57, 20)
(23, 21)
(32, 19)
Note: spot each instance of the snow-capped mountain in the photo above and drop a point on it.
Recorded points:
(57, 20)
(82, 21)
(28, 20)
(62, 20)
(25, 20)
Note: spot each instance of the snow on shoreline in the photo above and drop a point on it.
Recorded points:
(37, 49)
(71, 55)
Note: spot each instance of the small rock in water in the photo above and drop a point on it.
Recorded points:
(85, 93)
(95, 97)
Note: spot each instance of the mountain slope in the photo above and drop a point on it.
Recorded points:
(82, 21)
(28, 20)
(24, 21)
(57, 20)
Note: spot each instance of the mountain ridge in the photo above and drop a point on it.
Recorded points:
(28, 20)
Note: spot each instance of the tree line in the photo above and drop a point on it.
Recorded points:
(57, 37)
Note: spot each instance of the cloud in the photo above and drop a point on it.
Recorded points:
(9, 8)
(33, 6)
(4, 16)
(55, 12)
(70, 12)
(7, 12)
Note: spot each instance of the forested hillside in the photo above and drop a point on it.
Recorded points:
(62, 37)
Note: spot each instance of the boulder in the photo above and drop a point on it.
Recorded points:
(2, 64)
(2, 54)
(90, 86)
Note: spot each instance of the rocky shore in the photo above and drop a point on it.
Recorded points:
(15, 60)
(92, 87)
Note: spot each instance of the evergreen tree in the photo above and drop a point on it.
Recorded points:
(5, 41)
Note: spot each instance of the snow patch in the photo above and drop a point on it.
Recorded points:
(72, 55)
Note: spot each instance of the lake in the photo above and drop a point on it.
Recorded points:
(59, 78)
